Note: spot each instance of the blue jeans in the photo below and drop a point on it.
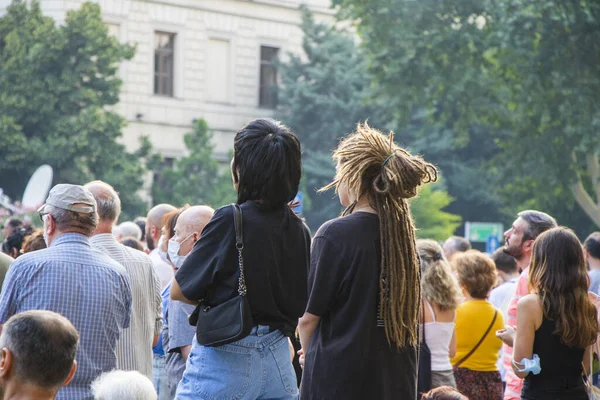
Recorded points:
(256, 367)
(159, 377)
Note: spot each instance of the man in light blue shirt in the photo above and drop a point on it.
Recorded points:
(74, 280)
(178, 335)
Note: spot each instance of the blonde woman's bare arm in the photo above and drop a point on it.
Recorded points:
(452, 351)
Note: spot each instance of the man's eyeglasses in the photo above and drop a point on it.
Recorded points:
(42, 215)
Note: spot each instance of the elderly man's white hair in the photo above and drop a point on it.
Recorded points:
(123, 385)
(128, 229)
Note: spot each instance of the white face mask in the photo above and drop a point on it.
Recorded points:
(161, 253)
(174, 247)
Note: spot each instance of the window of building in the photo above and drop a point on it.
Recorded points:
(268, 77)
(114, 30)
(158, 176)
(164, 63)
(218, 71)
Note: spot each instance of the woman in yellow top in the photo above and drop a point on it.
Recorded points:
(477, 320)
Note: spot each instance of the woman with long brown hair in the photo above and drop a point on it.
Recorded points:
(557, 322)
(360, 330)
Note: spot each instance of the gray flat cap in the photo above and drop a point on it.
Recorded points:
(70, 197)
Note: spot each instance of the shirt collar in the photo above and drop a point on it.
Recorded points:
(70, 238)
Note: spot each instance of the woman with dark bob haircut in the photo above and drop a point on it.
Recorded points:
(266, 169)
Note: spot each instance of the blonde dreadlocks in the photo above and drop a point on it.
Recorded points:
(371, 164)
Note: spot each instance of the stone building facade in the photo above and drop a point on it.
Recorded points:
(209, 59)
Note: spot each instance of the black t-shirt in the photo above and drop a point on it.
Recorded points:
(276, 258)
(349, 356)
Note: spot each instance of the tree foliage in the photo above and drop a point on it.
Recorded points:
(323, 95)
(55, 85)
(554, 103)
(197, 178)
(322, 98)
(525, 72)
(428, 213)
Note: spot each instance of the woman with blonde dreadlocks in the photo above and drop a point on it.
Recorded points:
(359, 334)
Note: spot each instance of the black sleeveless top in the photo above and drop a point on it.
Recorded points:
(561, 364)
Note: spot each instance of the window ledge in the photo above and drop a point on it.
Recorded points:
(163, 97)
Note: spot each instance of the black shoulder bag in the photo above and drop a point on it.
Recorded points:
(230, 321)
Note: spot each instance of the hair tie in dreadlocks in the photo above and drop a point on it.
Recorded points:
(387, 159)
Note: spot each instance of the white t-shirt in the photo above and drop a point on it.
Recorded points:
(163, 269)
(500, 297)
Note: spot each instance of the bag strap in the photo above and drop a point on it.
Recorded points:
(423, 315)
(465, 358)
(588, 377)
(239, 245)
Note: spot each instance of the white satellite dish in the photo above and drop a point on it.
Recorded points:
(37, 188)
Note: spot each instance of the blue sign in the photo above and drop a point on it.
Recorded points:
(491, 244)
(300, 207)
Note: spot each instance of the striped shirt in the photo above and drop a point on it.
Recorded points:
(514, 384)
(87, 287)
(134, 348)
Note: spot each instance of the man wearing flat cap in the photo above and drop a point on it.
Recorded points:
(74, 280)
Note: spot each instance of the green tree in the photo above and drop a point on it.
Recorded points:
(197, 178)
(322, 97)
(55, 85)
(471, 185)
(427, 209)
(553, 105)
(425, 67)
(525, 72)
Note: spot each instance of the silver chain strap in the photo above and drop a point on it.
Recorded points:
(242, 279)
(239, 245)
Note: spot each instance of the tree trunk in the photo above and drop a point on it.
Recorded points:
(593, 167)
(583, 198)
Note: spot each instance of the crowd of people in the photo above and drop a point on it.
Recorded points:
(244, 302)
